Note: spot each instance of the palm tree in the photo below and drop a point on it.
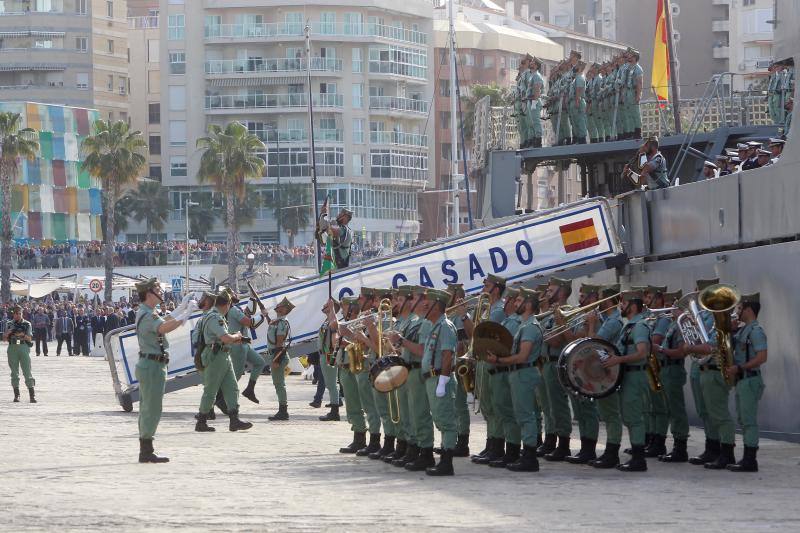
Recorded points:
(149, 202)
(202, 217)
(113, 154)
(230, 157)
(295, 209)
(15, 143)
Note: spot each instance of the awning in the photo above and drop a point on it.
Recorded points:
(256, 82)
(32, 66)
(5, 34)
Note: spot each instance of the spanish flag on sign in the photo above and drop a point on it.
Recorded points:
(579, 235)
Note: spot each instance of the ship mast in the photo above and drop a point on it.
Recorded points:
(453, 123)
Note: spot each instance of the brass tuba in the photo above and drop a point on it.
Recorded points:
(355, 357)
(654, 372)
(721, 300)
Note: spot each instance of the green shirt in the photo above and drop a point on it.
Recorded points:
(324, 339)
(234, 318)
(277, 328)
(529, 331)
(611, 327)
(214, 328)
(147, 323)
(748, 341)
(406, 328)
(497, 312)
(636, 331)
(536, 80)
(442, 338)
(28, 331)
(512, 323)
(341, 246)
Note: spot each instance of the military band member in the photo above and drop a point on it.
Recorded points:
(657, 413)
(673, 379)
(218, 373)
(19, 336)
(654, 172)
(327, 344)
(278, 337)
(534, 99)
(456, 290)
(607, 325)
(521, 102)
(352, 397)
(494, 286)
(243, 353)
(341, 234)
(749, 354)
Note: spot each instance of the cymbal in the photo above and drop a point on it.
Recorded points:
(491, 337)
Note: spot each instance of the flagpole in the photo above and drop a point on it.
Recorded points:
(673, 68)
(312, 148)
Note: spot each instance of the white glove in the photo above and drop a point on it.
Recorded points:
(186, 298)
(442, 386)
(191, 307)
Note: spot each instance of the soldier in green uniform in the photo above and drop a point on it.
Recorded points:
(494, 286)
(618, 110)
(773, 96)
(633, 344)
(657, 414)
(520, 102)
(534, 103)
(786, 88)
(593, 79)
(151, 368)
(19, 336)
(438, 365)
(352, 398)
(603, 128)
(217, 368)
(787, 122)
(673, 379)
(278, 337)
(340, 233)
(607, 325)
(577, 104)
(462, 408)
(327, 342)
(749, 354)
(633, 94)
(243, 353)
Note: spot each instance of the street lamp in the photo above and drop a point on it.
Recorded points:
(278, 190)
(186, 252)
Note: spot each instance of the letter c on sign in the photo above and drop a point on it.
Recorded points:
(345, 291)
(397, 279)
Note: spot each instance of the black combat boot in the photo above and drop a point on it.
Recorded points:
(511, 456)
(637, 462)
(32, 394)
(220, 403)
(748, 462)
(561, 452)
(609, 459)
(527, 461)
(657, 446)
(724, 458)
(462, 446)
(235, 423)
(316, 404)
(399, 451)
(497, 451)
(445, 466)
(548, 446)
(588, 452)
(412, 452)
(374, 445)
(710, 454)
(210, 416)
(483, 451)
(424, 460)
(332, 416)
(359, 441)
(678, 453)
(282, 413)
(539, 440)
(146, 453)
(16, 394)
(250, 393)
(388, 448)
(202, 423)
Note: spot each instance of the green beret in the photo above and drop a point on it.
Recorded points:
(703, 283)
(627, 296)
(561, 282)
(587, 288)
(147, 285)
(438, 295)
(609, 290)
(674, 295)
(497, 280)
(405, 290)
(754, 298)
(285, 303)
(656, 289)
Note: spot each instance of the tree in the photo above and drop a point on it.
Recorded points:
(230, 158)
(15, 143)
(295, 209)
(498, 96)
(114, 155)
(149, 202)
(202, 217)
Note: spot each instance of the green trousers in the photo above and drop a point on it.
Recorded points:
(610, 411)
(483, 388)
(152, 377)
(443, 410)
(709, 429)
(218, 375)
(19, 355)
(543, 405)
(715, 394)
(577, 117)
(390, 416)
(564, 131)
(748, 394)
(657, 412)
(331, 375)
(634, 388)
(504, 406)
(352, 401)
(591, 125)
(523, 384)
(462, 411)
(535, 119)
(244, 353)
(557, 400)
(585, 411)
(406, 420)
(278, 375)
(420, 409)
(522, 123)
(368, 402)
(673, 378)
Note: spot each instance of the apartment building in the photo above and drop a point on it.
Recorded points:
(371, 90)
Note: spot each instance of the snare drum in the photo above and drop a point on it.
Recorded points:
(388, 373)
(581, 372)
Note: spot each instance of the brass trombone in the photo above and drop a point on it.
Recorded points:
(466, 365)
(385, 315)
(572, 316)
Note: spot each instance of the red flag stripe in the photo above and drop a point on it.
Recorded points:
(577, 225)
(582, 245)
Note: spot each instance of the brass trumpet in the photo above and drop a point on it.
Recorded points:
(571, 315)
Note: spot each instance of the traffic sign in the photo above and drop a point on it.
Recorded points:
(177, 285)
(96, 285)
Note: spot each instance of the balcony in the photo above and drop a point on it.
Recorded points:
(721, 25)
(292, 136)
(319, 30)
(297, 101)
(26, 7)
(142, 23)
(721, 52)
(395, 138)
(397, 104)
(216, 67)
(720, 2)
(394, 68)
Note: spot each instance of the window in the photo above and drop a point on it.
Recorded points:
(110, 9)
(358, 164)
(176, 27)
(513, 63)
(82, 80)
(488, 61)
(358, 130)
(123, 85)
(155, 172)
(358, 95)
(80, 7)
(81, 44)
(177, 167)
(177, 98)
(327, 23)
(581, 19)
(444, 87)
(468, 60)
(756, 21)
(561, 20)
(398, 60)
(110, 83)
(177, 133)
(358, 63)
(155, 145)
(110, 46)
(748, 2)
(152, 50)
(154, 113)
(177, 63)
(444, 120)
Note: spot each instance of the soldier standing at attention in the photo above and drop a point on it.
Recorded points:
(773, 97)
(620, 76)
(352, 401)
(327, 342)
(277, 344)
(151, 368)
(242, 353)
(592, 81)
(634, 95)
(19, 336)
(749, 353)
(520, 102)
(577, 104)
(534, 100)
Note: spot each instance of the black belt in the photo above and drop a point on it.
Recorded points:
(521, 366)
(708, 367)
(413, 365)
(673, 362)
(749, 373)
(157, 357)
(499, 370)
(553, 358)
(634, 368)
(432, 373)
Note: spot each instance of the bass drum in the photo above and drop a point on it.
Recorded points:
(388, 373)
(580, 368)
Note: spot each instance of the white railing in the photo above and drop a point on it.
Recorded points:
(264, 65)
(397, 69)
(271, 101)
(398, 138)
(265, 30)
(142, 23)
(395, 103)
(288, 136)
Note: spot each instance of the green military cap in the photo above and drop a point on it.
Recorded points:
(640, 288)
(405, 290)
(588, 288)
(627, 296)
(512, 292)
(754, 298)
(455, 288)
(537, 61)
(529, 294)
(656, 289)
(367, 292)
(438, 295)
(223, 298)
(542, 287)
(286, 304)
(561, 282)
(497, 280)
(349, 300)
(703, 283)
(674, 295)
(609, 290)
(147, 285)
(383, 293)
(420, 289)
(345, 212)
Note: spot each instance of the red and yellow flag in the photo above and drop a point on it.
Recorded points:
(660, 76)
(579, 235)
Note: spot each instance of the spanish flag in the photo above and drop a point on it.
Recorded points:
(579, 235)
(660, 76)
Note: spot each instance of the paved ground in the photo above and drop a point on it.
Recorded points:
(69, 463)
